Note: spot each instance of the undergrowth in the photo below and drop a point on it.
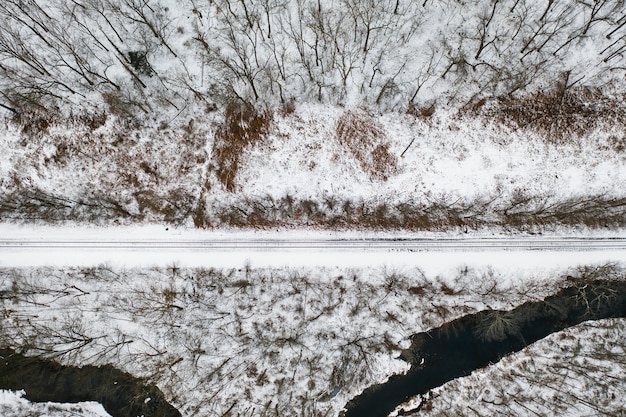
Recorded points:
(120, 170)
(438, 214)
(125, 171)
(211, 338)
(177, 206)
(576, 371)
(243, 126)
(365, 139)
(559, 115)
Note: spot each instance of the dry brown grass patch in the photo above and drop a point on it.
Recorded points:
(365, 138)
(559, 115)
(421, 112)
(243, 126)
(34, 123)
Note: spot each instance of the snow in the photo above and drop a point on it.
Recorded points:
(261, 326)
(165, 156)
(303, 158)
(248, 330)
(161, 176)
(12, 404)
(251, 334)
(435, 262)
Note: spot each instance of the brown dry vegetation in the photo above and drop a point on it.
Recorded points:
(243, 126)
(559, 114)
(125, 173)
(365, 139)
(534, 213)
(527, 214)
(161, 179)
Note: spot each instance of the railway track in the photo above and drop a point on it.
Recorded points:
(327, 244)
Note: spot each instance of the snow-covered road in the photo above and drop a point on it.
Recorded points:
(160, 246)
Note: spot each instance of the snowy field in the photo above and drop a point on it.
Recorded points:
(447, 158)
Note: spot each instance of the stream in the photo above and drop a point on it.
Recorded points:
(121, 394)
(474, 341)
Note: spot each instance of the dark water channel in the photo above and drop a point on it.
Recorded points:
(474, 341)
(121, 394)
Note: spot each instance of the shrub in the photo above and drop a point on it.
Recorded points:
(594, 289)
(35, 122)
(243, 126)
(366, 141)
(139, 61)
(558, 114)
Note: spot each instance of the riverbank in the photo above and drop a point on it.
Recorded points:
(471, 342)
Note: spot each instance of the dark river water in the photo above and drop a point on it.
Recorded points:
(121, 394)
(474, 341)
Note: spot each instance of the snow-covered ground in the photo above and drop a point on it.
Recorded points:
(100, 249)
(281, 339)
(301, 173)
(12, 404)
(126, 56)
(361, 109)
(112, 113)
(449, 157)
